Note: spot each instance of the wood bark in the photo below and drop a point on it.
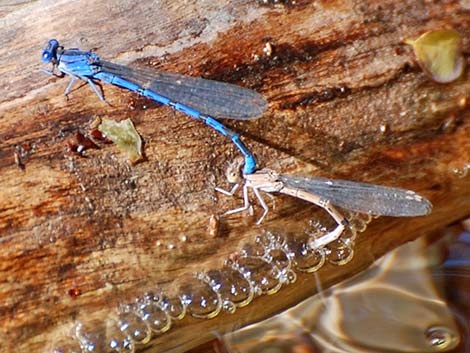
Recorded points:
(79, 235)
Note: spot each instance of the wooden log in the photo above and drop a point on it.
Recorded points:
(80, 235)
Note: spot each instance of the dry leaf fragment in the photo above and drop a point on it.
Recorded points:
(125, 136)
(439, 54)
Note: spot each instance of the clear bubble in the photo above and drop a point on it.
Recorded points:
(156, 318)
(310, 261)
(316, 232)
(304, 259)
(92, 336)
(340, 253)
(270, 240)
(315, 227)
(442, 338)
(280, 259)
(289, 277)
(102, 337)
(117, 341)
(232, 286)
(134, 327)
(174, 307)
(151, 296)
(349, 235)
(229, 306)
(357, 222)
(265, 276)
(256, 249)
(201, 300)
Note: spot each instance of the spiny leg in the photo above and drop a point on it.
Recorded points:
(52, 72)
(273, 199)
(94, 88)
(69, 86)
(263, 205)
(228, 193)
(246, 202)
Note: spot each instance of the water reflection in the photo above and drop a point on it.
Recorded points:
(415, 299)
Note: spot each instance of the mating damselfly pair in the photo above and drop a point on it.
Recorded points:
(203, 99)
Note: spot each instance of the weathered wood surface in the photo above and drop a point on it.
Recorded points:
(346, 101)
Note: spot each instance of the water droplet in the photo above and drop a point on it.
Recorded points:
(175, 308)
(310, 261)
(340, 253)
(280, 259)
(349, 234)
(134, 327)
(201, 300)
(315, 227)
(117, 341)
(270, 240)
(291, 276)
(228, 306)
(304, 259)
(358, 223)
(319, 239)
(155, 317)
(232, 286)
(256, 249)
(265, 276)
(102, 337)
(151, 296)
(66, 345)
(462, 172)
(91, 336)
(442, 338)
(384, 128)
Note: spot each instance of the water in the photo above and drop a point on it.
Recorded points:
(415, 300)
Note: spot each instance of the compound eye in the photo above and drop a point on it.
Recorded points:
(50, 50)
(46, 57)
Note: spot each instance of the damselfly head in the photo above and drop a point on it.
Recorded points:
(49, 54)
(234, 171)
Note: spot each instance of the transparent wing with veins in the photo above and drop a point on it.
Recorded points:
(363, 197)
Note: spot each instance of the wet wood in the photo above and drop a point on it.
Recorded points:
(81, 234)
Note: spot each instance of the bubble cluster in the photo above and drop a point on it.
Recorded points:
(98, 336)
(261, 267)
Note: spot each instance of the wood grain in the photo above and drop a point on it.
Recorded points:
(346, 100)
